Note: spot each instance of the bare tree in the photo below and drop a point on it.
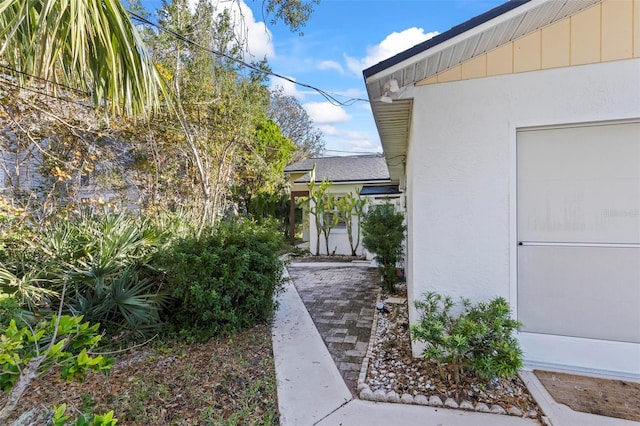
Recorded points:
(296, 125)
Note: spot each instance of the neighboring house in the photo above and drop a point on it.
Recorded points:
(519, 132)
(367, 174)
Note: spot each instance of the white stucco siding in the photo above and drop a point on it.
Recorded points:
(461, 172)
(338, 238)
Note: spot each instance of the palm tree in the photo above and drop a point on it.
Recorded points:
(90, 44)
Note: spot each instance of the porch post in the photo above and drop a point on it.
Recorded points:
(292, 219)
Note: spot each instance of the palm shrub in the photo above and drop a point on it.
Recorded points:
(104, 259)
(383, 231)
(479, 340)
(225, 280)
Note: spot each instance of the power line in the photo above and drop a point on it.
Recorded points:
(18, 86)
(328, 96)
(79, 91)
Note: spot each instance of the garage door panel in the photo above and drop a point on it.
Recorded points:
(578, 197)
(589, 292)
(579, 184)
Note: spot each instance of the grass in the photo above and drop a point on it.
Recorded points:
(228, 381)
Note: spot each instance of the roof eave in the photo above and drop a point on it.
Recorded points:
(350, 182)
(448, 35)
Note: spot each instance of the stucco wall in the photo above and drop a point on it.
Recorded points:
(338, 238)
(461, 183)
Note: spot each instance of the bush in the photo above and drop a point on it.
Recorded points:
(383, 233)
(224, 281)
(479, 340)
(103, 259)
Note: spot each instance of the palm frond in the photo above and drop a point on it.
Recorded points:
(87, 43)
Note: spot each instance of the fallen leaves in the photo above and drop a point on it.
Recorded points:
(230, 381)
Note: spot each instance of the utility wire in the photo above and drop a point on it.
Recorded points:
(79, 91)
(18, 86)
(328, 96)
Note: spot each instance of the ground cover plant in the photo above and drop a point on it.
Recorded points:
(127, 279)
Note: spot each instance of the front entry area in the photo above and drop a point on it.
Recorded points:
(578, 253)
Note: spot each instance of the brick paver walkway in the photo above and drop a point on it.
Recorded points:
(341, 301)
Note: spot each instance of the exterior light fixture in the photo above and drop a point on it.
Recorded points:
(385, 98)
(393, 86)
(390, 86)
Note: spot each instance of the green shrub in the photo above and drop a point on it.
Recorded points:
(383, 233)
(83, 419)
(480, 340)
(103, 258)
(224, 281)
(9, 310)
(27, 351)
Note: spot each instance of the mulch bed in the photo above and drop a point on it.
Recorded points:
(611, 398)
(392, 367)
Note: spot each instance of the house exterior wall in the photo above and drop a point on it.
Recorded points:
(608, 31)
(461, 189)
(338, 238)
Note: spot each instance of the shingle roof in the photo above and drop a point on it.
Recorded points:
(362, 168)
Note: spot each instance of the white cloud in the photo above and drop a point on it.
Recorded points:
(328, 129)
(253, 35)
(366, 106)
(359, 142)
(343, 142)
(393, 44)
(325, 112)
(330, 65)
(287, 86)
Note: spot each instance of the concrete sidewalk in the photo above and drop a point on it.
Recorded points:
(311, 390)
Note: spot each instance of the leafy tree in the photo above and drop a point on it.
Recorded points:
(189, 154)
(220, 107)
(383, 229)
(260, 168)
(296, 125)
(294, 13)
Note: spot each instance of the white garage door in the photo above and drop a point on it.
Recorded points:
(578, 204)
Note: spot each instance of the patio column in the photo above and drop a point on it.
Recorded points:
(292, 214)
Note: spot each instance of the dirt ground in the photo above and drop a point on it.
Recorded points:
(612, 398)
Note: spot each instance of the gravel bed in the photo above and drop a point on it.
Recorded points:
(390, 373)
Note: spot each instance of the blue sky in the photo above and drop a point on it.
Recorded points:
(342, 38)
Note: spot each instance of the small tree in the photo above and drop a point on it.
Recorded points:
(350, 207)
(315, 202)
(383, 229)
(329, 217)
